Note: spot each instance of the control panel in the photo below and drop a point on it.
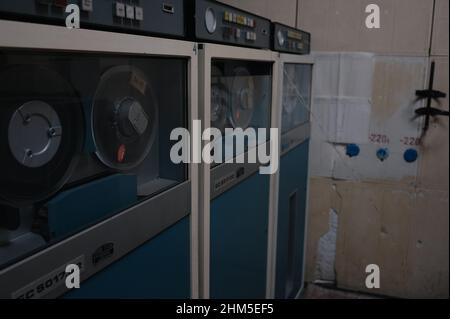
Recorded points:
(290, 40)
(165, 17)
(220, 23)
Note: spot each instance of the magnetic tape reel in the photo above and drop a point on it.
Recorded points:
(232, 98)
(42, 133)
(242, 98)
(220, 100)
(124, 118)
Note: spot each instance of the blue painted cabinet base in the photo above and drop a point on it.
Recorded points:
(159, 269)
(239, 221)
(291, 221)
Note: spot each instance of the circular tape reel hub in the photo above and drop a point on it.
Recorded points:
(34, 134)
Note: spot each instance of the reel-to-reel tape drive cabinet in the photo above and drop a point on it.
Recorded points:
(86, 176)
(237, 92)
(295, 87)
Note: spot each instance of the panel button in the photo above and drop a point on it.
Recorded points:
(130, 12)
(240, 20)
(251, 36)
(227, 16)
(139, 13)
(87, 5)
(120, 10)
(238, 33)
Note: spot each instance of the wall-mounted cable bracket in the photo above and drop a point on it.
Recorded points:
(430, 95)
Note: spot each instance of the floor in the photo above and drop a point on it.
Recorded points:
(320, 292)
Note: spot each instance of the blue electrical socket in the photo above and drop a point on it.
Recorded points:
(383, 154)
(410, 155)
(353, 150)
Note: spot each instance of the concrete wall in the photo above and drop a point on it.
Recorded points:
(339, 25)
(392, 214)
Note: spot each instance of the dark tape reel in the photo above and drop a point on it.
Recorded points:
(41, 133)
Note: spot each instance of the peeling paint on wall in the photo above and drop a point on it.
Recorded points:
(326, 256)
